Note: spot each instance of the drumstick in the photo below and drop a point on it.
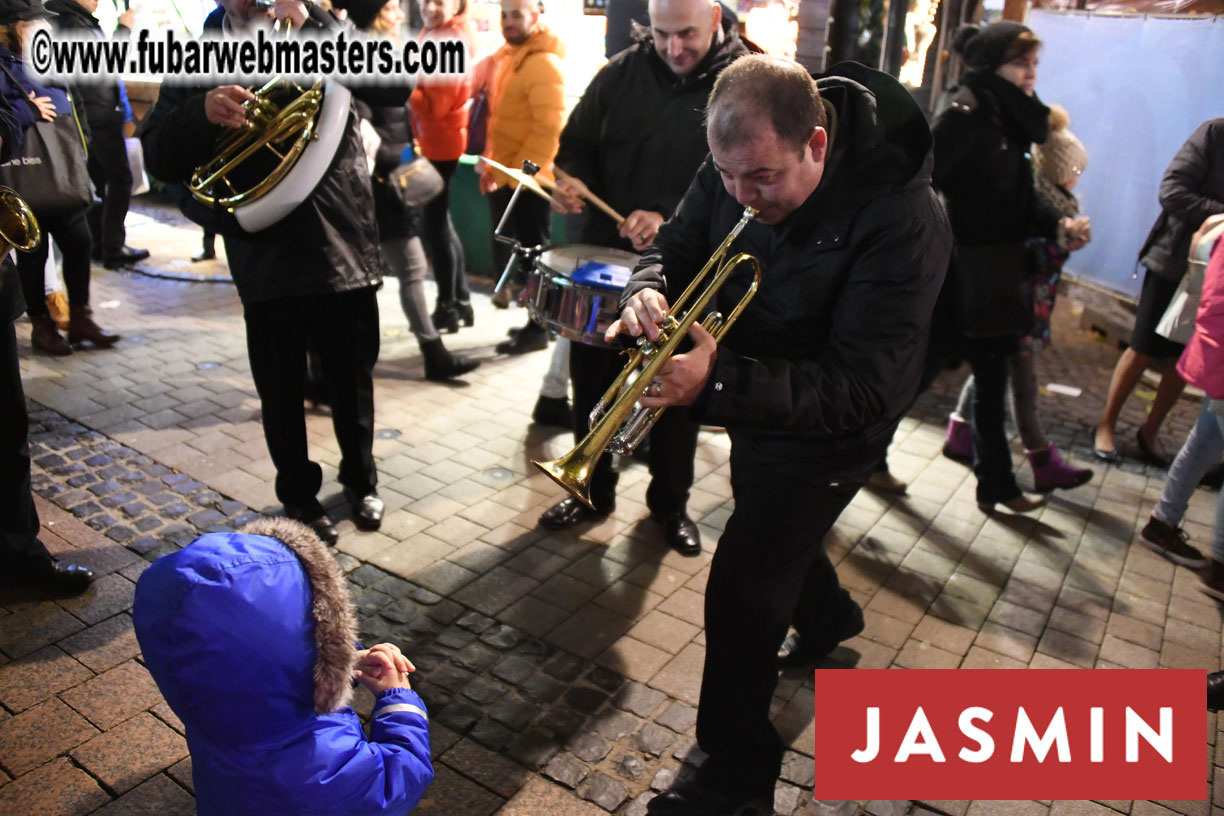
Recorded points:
(591, 197)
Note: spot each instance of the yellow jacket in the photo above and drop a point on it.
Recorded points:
(526, 95)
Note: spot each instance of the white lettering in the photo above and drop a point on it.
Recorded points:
(1162, 742)
(1056, 733)
(985, 742)
(919, 727)
(1096, 719)
(873, 738)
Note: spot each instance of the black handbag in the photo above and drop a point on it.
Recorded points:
(993, 298)
(51, 173)
(478, 123)
(415, 182)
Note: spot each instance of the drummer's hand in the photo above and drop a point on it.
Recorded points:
(643, 313)
(640, 227)
(683, 376)
(487, 181)
(223, 105)
(567, 195)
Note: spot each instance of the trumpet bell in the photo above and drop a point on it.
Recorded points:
(572, 472)
(18, 227)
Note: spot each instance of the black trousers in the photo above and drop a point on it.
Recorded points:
(442, 242)
(343, 328)
(18, 517)
(530, 222)
(992, 460)
(71, 234)
(769, 570)
(112, 178)
(673, 440)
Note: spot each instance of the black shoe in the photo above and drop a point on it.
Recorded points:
(446, 318)
(1214, 478)
(1148, 455)
(798, 652)
(691, 798)
(681, 534)
(529, 338)
(367, 509)
(568, 512)
(46, 573)
(466, 314)
(1171, 542)
(553, 411)
(442, 365)
(125, 257)
(317, 520)
(1215, 691)
(205, 255)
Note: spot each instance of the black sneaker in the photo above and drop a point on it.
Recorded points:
(1171, 542)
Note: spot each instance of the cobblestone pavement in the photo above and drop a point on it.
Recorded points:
(561, 670)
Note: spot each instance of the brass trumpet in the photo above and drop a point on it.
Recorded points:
(618, 423)
(19, 228)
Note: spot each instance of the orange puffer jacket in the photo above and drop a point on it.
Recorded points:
(439, 103)
(526, 103)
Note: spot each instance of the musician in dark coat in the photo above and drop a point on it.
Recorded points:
(309, 279)
(24, 561)
(635, 139)
(810, 382)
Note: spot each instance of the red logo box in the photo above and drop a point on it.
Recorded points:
(1009, 734)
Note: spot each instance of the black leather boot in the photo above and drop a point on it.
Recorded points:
(441, 364)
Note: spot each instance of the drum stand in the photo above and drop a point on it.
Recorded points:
(526, 256)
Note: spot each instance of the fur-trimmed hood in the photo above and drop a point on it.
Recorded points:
(257, 624)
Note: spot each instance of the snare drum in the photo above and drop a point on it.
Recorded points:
(575, 290)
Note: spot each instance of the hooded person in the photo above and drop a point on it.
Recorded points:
(250, 637)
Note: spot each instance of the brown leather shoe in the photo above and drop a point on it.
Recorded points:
(45, 337)
(82, 327)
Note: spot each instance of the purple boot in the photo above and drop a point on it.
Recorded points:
(1050, 471)
(959, 444)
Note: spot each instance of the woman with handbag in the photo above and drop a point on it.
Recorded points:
(399, 226)
(62, 212)
(440, 109)
(982, 146)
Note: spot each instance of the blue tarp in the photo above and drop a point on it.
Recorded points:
(1135, 87)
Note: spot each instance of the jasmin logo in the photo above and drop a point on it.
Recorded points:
(1010, 734)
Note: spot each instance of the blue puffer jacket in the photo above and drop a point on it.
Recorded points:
(250, 638)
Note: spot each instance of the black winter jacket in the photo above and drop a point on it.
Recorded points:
(985, 173)
(329, 243)
(97, 99)
(1192, 190)
(637, 136)
(394, 129)
(826, 359)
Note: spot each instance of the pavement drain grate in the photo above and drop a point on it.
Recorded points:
(499, 474)
(208, 365)
(387, 433)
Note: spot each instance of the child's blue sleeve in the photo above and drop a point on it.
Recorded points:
(400, 732)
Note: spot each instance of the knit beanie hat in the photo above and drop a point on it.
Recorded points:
(361, 12)
(985, 49)
(1062, 156)
(13, 11)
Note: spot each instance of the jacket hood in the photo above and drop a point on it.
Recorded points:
(542, 41)
(256, 624)
(878, 130)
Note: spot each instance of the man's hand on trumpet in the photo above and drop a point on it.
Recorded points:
(680, 379)
(640, 227)
(223, 105)
(294, 11)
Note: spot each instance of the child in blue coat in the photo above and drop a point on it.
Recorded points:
(250, 637)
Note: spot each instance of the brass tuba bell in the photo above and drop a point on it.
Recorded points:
(618, 423)
(19, 228)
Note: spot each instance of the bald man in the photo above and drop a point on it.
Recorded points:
(635, 139)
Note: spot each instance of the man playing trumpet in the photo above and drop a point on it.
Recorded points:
(636, 138)
(811, 381)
